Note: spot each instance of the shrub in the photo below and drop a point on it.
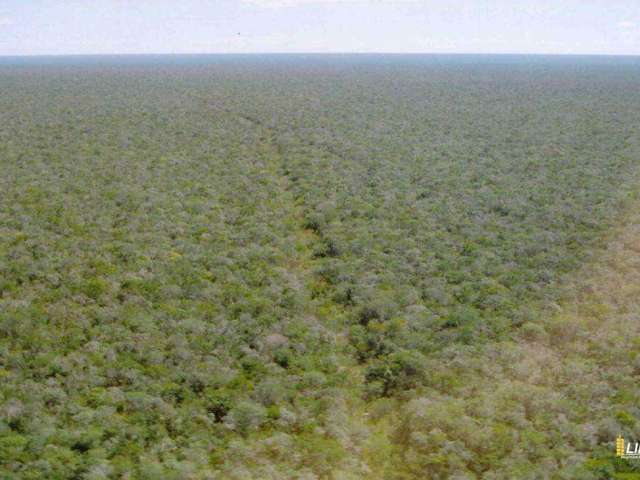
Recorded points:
(398, 371)
(245, 417)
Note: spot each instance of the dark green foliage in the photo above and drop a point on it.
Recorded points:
(398, 371)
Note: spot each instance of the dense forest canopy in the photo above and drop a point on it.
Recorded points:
(315, 267)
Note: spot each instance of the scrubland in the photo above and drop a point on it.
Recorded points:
(319, 267)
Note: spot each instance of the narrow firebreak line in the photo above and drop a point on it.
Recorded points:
(307, 270)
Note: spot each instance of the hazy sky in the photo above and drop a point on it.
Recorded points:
(212, 26)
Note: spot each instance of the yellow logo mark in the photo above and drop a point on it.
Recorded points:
(619, 446)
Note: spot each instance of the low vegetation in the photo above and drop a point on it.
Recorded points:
(318, 267)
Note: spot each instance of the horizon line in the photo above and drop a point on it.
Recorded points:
(140, 54)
